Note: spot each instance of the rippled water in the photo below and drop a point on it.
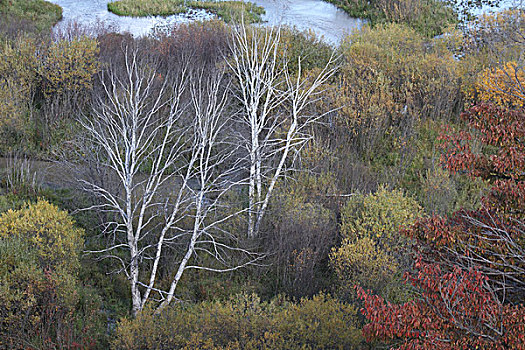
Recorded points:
(321, 17)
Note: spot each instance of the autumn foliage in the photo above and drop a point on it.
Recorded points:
(500, 159)
(454, 311)
(470, 276)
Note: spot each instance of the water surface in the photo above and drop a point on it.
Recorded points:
(321, 17)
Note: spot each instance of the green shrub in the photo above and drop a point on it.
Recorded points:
(374, 254)
(42, 303)
(311, 49)
(244, 322)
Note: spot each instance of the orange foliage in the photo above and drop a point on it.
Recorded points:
(503, 86)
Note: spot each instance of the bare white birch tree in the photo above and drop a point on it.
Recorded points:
(274, 110)
(164, 154)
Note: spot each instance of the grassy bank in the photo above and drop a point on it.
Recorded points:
(41, 13)
(428, 17)
(226, 10)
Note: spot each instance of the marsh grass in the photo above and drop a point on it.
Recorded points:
(227, 10)
(42, 13)
(428, 17)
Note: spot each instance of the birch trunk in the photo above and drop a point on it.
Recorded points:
(137, 121)
(266, 91)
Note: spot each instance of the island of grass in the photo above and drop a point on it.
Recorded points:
(428, 17)
(226, 10)
(42, 14)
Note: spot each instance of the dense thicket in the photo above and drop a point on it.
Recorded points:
(387, 185)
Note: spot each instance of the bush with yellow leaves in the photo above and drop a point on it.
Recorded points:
(503, 85)
(42, 304)
(493, 65)
(373, 252)
(244, 322)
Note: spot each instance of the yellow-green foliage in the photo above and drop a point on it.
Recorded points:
(39, 251)
(226, 10)
(231, 11)
(393, 77)
(52, 233)
(322, 322)
(307, 188)
(244, 322)
(18, 67)
(428, 17)
(363, 262)
(69, 66)
(140, 8)
(379, 215)
(371, 253)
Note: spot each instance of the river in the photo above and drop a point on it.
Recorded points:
(321, 17)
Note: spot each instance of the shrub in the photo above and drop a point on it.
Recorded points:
(391, 79)
(66, 71)
(468, 294)
(321, 322)
(373, 253)
(69, 66)
(42, 304)
(392, 82)
(244, 322)
(41, 88)
(306, 46)
(502, 85)
(379, 216)
(51, 232)
(300, 234)
(18, 66)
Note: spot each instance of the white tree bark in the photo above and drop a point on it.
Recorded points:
(165, 157)
(273, 104)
